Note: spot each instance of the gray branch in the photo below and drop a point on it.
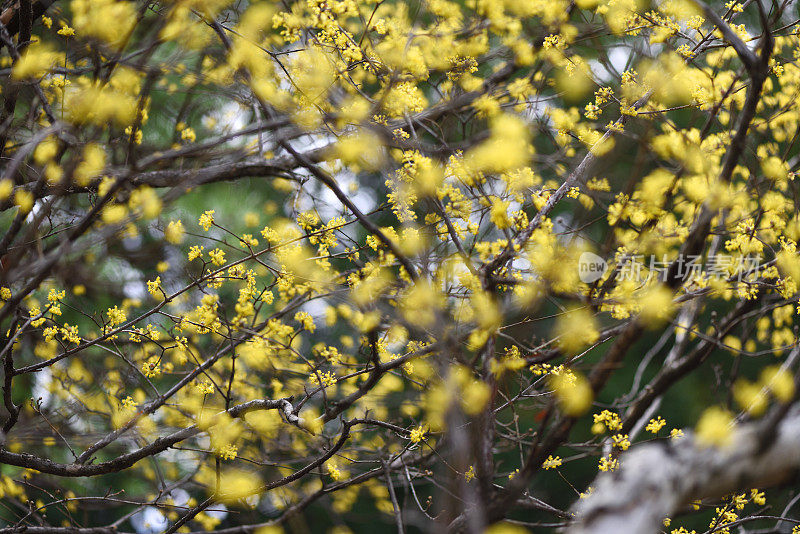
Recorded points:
(656, 480)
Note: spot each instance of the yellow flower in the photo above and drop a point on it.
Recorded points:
(779, 382)
(70, 334)
(217, 257)
(108, 20)
(417, 434)
(305, 320)
(6, 187)
(94, 159)
(174, 232)
(251, 219)
(470, 474)
(46, 150)
(333, 470)
(235, 484)
(204, 387)
(654, 425)
(499, 214)
(65, 30)
(715, 428)
(403, 98)
(154, 286)
(475, 394)
(576, 329)
(750, 397)
(187, 134)
(114, 213)
(228, 452)
(116, 316)
(621, 441)
(207, 219)
(146, 200)
(23, 199)
(552, 462)
(608, 463)
(573, 392)
(195, 252)
(151, 368)
(128, 403)
(34, 62)
(325, 378)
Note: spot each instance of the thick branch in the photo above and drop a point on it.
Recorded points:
(124, 461)
(655, 480)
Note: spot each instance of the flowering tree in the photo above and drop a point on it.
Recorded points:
(430, 265)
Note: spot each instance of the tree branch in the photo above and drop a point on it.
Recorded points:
(656, 480)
